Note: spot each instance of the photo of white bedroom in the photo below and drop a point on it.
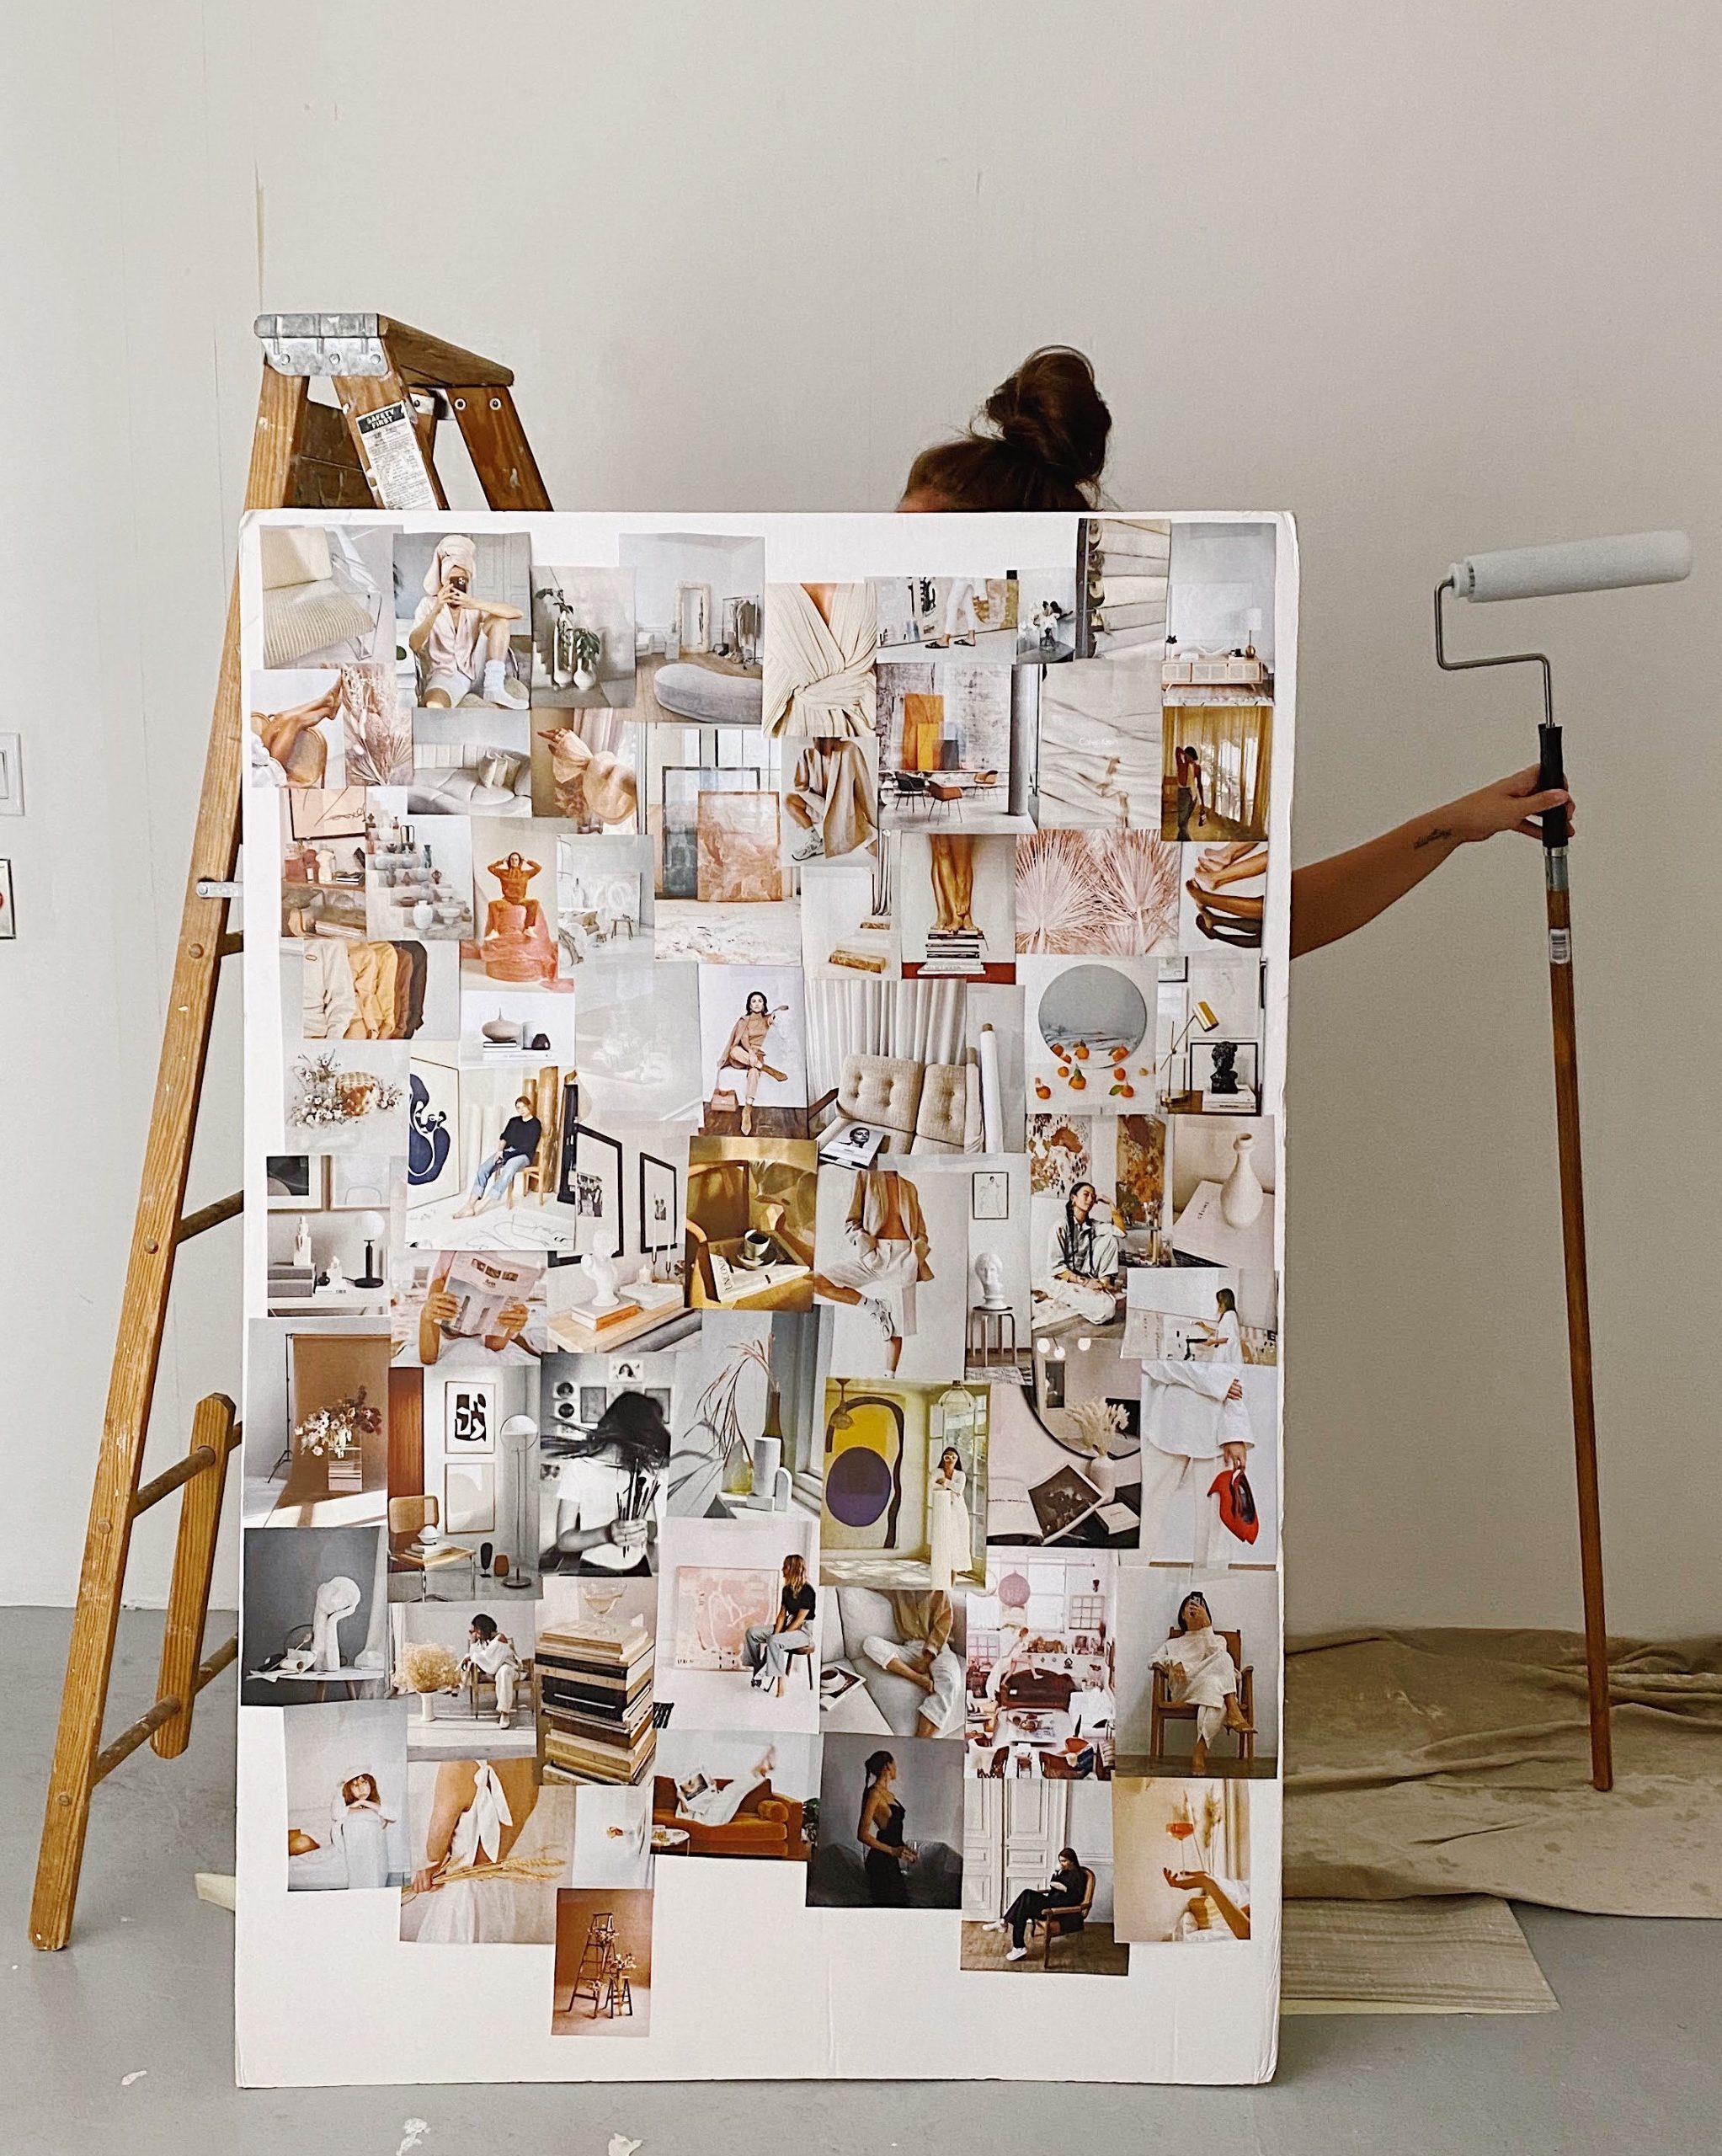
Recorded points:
(953, 897)
(753, 1045)
(1066, 1464)
(464, 604)
(1097, 1187)
(956, 746)
(905, 1485)
(1217, 682)
(737, 1624)
(463, 1490)
(698, 612)
(583, 635)
(316, 1422)
(744, 1416)
(346, 1775)
(1043, 1642)
(1199, 1693)
(326, 1235)
(1208, 1037)
(468, 1675)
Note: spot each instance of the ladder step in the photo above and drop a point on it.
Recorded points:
(233, 941)
(197, 1462)
(128, 1740)
(209, 1216)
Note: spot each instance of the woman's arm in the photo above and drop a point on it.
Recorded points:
(1334, 898)
(864, 1832)
(447, 1804)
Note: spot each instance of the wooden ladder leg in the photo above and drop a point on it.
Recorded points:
(497, 444)
(156, 1232)
(213, 1431)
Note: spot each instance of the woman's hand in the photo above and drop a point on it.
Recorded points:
(1508, 805)
(1234, 1455)
(1176, 1671)
(440, 1307)
(628, 1535)
(1188, 1882)
(427, 1879)
(1235, 1389)
(911, 1852)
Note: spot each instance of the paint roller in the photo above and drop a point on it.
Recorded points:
(1573, 565)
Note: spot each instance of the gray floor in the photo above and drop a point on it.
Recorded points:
(1630, 2062)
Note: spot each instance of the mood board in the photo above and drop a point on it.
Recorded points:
(765, 1057)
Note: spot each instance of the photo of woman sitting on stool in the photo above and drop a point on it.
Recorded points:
(770, 1647)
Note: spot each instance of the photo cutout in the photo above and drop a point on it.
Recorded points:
(1223, 1190)
(890, 1068)
(979, 620)
(954, 897)
(317, 1420)
(1111, 893)
(699, 613)
(735, 1794)
(752, 1052)
(605, 1471)
(586, 769)
(417, 876)
(325, 595)
(595, 1661)
(956, 746)
(327, 1239)
(1202, 1314)
(314, 1617)
(582, 640)
(1203, 1696)
(892, 1661)
(325, 853)
(846, 922)
(905, 1485)
(1217, 676)
(469, 1309)
(515, 879)
(604, 905)
(891, 1255)
(345, 1096)
(376, 989)
(1066, 1459)
(819, 643)
(1180, 1861)
(1100, 728)
(744, 1404)
(750, 1211)
(1089, 1031)
(1209, 1462)
(464, 1501)
(602, 1984)
(489, 1848)
(467, 602)
(996, 1331)
(346, 1796)
(469, 1671)
(613, 1838)
(890, 1825)
(1060, 1839)
(1208, 1036)
(297, 736)
(738, 1629)
(1097, 1206)
(830, 790)
(1041, 1681)
(482, 1175)
(636, 1039)
(1224, 896)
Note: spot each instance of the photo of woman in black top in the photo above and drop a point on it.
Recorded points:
(770, 1646)
(1069, 1891)
(515, 1151)
(880, 1833)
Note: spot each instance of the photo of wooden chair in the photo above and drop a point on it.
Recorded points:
(1163, 1707)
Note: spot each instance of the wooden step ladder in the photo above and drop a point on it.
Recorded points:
(374, 447)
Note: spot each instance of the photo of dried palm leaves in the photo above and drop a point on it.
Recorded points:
(379, 733)
(1114, 893)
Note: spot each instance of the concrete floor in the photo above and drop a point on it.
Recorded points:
(143, 1995)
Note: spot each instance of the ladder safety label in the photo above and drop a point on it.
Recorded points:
(397, 468)
(1560, 947)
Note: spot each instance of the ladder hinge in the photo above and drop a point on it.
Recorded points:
(322, 343)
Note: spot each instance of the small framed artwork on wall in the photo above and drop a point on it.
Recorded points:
(294, 1182)
(469, 1416)
(990, 1194)
(591, 1185)
(469, 1496)
(660, 1204)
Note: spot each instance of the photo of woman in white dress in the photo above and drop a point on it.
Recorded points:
(496, 1847)
(358, 1828)
(949, 1532)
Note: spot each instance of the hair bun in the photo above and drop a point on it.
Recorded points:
(1052, 411)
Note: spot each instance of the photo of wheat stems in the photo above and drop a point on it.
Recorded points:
(379, 734)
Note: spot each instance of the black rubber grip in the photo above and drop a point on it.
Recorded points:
(1551, 772)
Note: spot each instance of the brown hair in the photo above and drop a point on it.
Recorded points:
(349, 1789)
(1039, 442)
(795, 1568)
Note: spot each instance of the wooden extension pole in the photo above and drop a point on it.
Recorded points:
(1558, 902)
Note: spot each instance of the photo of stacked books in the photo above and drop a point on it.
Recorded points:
(594, 1720)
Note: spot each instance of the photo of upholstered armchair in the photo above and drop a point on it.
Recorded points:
(921, 1108)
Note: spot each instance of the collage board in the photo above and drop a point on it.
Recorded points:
(766, 1352)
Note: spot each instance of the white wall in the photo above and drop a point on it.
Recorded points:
(1434, 278)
